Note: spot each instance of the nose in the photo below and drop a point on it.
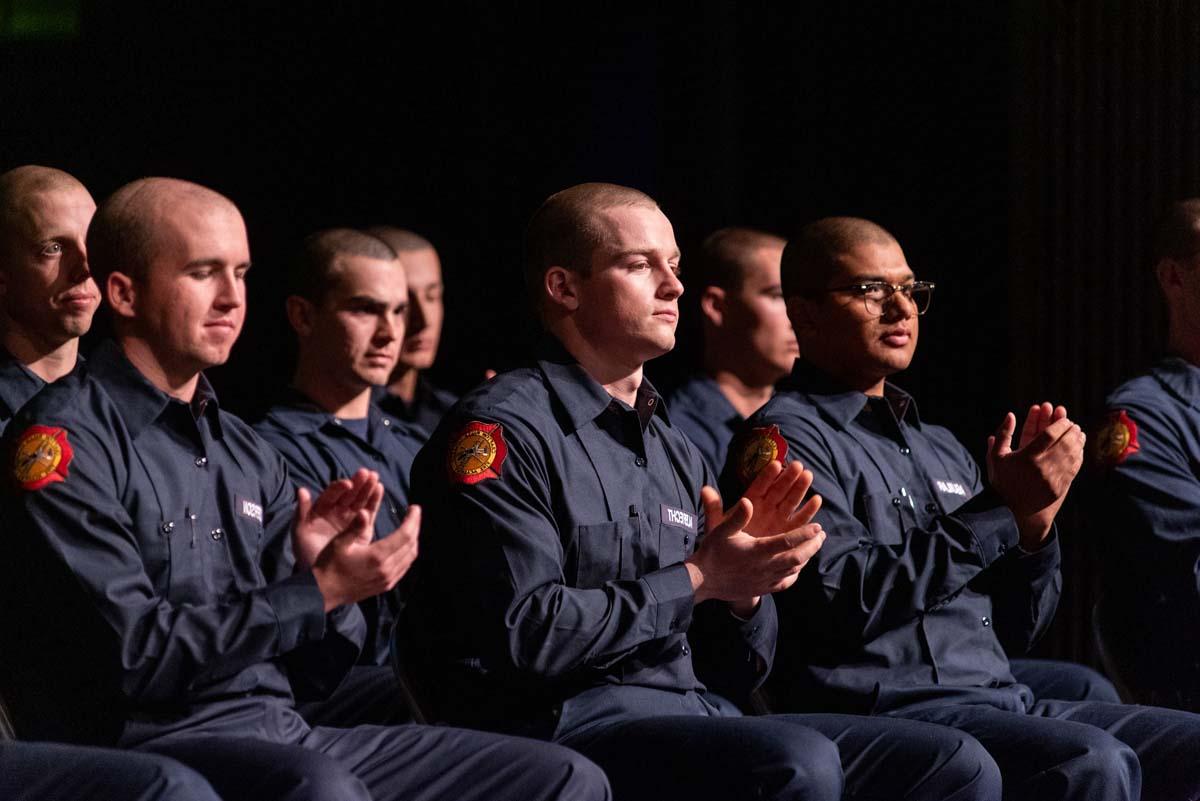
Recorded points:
(899, 306)
(389, 329)
(231, 291)
(78, 268)
(671, 287)
(417, 319)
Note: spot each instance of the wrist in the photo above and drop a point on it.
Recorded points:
(697, 578)
(326, 585)
(744, 610)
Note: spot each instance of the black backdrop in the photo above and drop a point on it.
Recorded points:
(950, 123)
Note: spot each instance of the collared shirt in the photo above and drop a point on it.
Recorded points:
(564, 571)
(319, 448)
(17, 385)
(919, 581)
(705, 415)
(1148, 457)
(428, 407)
(166, 542)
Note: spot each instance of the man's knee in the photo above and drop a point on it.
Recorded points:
(582, 778)
(174, 781)
(1102, 761)
(804, 764)
(968, 771)
(321, 780)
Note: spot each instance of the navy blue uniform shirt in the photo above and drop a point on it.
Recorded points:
(705, 415)
(1149, 457)
(559, 566)
(156, 574)
(429, 405)
(17, 385)
(319, 448)
(920, 580)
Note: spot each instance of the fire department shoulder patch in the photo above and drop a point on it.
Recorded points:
(476, 453)
(763, 445)
(1116, 440)
(42, 457)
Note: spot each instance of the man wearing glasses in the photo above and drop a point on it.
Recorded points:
(927, 575)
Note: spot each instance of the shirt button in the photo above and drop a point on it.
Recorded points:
(337, 422)
(686, 539)
(394, 510)
(931, 507)
(650, 402)
(896, 502)
(217, 533)
(201, 461)
(986, 621)
(167, 528)
(640, 461)
(684, 649)
(905, 451)
(387, 422)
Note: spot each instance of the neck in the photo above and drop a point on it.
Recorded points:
(350, 403)
(866, 384)
(620, 379)
(746, 398)
(403, 383)
(47, 361)
(178, 383)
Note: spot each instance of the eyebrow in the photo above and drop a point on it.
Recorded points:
(879, 279)
(622, 254)
(213, 263)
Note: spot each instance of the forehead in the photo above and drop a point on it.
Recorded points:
(872, 260)
(191, 230)
(635, 229)
(760, 265)
(422, 267)
(363, 276)
(51, 212)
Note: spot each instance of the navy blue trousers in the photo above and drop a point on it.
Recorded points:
(255, 750)
(53, 772)
(1063, 681)
(656, 745)
(1089, 751)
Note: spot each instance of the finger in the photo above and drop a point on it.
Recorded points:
(796, 557)
(737, 518)
(799, 488)
(1059, 413)
(783, 487)
(710, 500)
(331, 496)
(409, 528)
(359, 531)
(364, 485)
(805, 513)
(1050, 435)
(763, 481)
(782, 543)
(1000, 444)
(303, 503)
(1031, 427)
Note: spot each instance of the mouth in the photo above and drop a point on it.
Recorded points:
(221, 325)
(667, 314)
(897, 338)
(78, 299)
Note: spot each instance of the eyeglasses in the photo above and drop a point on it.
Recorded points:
(877, 294)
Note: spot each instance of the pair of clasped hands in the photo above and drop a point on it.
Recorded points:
(762, 542)
(334, 537)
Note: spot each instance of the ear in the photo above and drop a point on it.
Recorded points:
(300, 315)
(802, 312)
(121, 294)
(1168, 273)
(712, 305)
(562, 288)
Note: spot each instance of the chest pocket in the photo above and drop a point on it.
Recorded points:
(214, 551)
(887, 515)
(602, 552)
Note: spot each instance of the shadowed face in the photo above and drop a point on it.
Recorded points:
(756, 315)
(423, 271)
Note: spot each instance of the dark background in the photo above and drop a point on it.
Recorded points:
(1019, 151)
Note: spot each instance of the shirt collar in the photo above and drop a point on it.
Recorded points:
(1180, 377)
(140, 402)
(842, 405)
(17, 382)
(583, 399)
(299, 414)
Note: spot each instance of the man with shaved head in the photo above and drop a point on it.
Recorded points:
(584, 583)
(929, 574)
(204, 592)
(410, 395)
(47, 299)
(748, 341)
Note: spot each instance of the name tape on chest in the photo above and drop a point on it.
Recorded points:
(951, 487)
(678, 518)
(1116, 440)
(250, 509)
(762, 446)
(42, 457)
(476, 453)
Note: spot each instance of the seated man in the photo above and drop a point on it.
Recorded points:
(347, 301)
(928, 575)
(47, 299)
(583, 583)
(410, 395)
(1147, 452)
(199, 593)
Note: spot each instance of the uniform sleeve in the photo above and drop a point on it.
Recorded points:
(858, 585)
(164, 650)
(495, 550)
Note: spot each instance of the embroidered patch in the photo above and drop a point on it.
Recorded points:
(476, 453)
(678, 518)
(763, 446)
(952, 487)
(42, 457)
(250, 509)
(1116, 439)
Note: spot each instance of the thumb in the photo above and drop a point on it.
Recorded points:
(303, 504)
(737, 519)
(710, 499)
(358, 532)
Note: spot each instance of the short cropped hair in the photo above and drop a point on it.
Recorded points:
(313, 270)
(1177, 235)
(563, 231)
(400, 240)
(722, 258)
(121, 235)
(17, 184)
(810, 257)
